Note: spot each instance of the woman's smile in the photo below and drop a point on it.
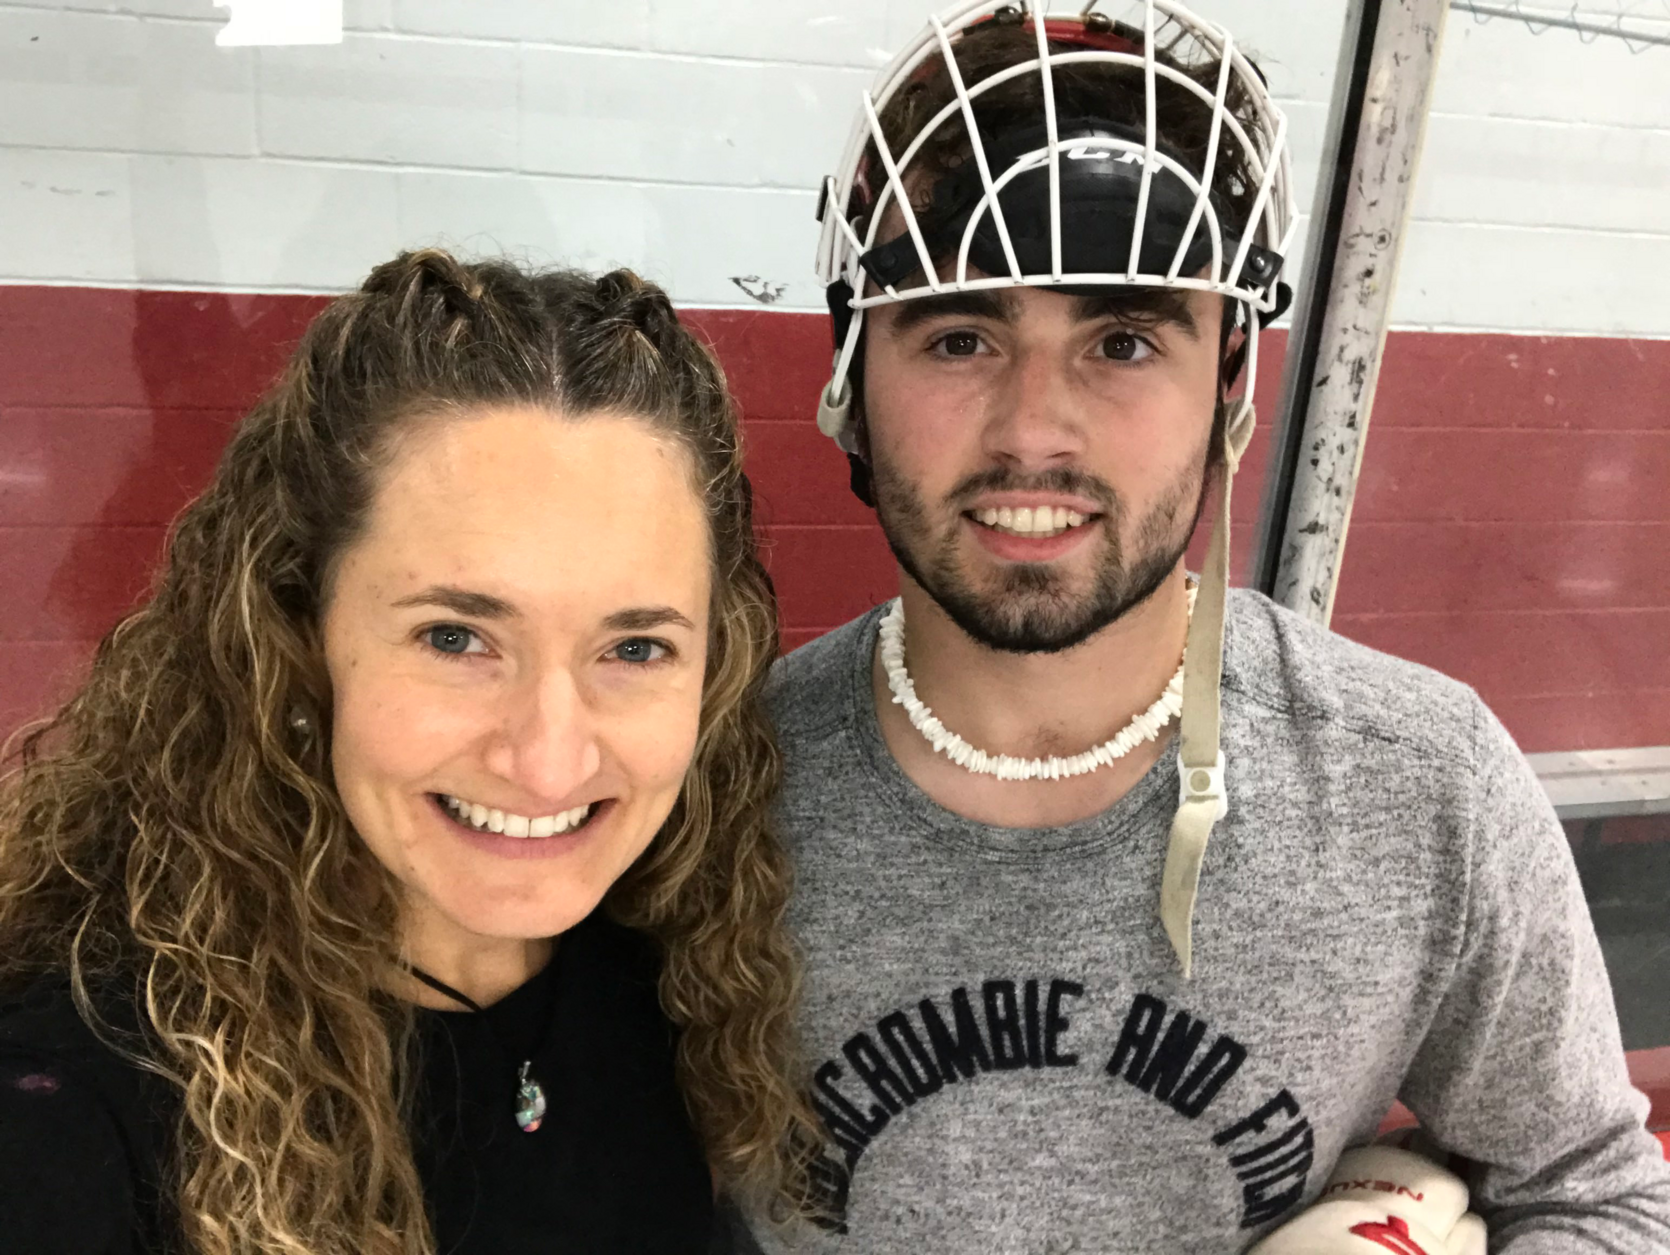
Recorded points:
(512, 836)
(492, 819)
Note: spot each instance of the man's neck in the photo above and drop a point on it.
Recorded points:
(1033, 706)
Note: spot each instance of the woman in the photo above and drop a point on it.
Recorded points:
(301, 944)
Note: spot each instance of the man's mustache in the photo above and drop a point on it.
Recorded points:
(1062, 479)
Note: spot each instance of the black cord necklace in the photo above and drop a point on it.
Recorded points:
(530, 1094)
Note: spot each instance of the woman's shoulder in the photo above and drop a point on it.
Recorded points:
(42, 1020)
(41, 1013)
(81, 1128)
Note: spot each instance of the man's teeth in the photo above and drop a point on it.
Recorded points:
(483, 819)
(1027, 521)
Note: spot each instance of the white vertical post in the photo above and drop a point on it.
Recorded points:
(1346, 296)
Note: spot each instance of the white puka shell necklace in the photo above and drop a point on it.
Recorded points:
(1144, 727)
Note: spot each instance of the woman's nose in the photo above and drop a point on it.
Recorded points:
(548, 745)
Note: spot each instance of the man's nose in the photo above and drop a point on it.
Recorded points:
(548, 744)
(1034, 421)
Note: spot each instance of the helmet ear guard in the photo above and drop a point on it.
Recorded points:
(835, 420)
(835, 408)
(835, 402)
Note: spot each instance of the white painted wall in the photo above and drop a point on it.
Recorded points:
(686, 138)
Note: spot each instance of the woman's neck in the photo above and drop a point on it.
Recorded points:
(483, 969)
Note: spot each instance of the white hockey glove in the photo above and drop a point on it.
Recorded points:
(1381, 1199)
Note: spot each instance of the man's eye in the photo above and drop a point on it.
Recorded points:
(1122, 346)
(958, 344)
(639, 649)
(453, 638)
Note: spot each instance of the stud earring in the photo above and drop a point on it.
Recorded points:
(301, 721)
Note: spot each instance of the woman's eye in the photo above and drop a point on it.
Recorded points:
(639, 650)
(453, 638)
(958, 344)
(1122, 346)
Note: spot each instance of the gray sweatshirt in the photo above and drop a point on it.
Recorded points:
(1009, 1060)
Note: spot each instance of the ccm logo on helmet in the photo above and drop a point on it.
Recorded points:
(1084, 152)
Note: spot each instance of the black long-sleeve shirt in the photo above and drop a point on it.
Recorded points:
(86, 1138)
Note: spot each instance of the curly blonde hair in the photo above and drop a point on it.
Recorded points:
(168, 830)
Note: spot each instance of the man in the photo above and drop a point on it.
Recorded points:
(1049, 1006)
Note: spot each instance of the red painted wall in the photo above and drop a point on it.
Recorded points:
(1511, 525)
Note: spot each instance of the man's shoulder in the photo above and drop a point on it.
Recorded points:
(1285, 666)
(809, 687)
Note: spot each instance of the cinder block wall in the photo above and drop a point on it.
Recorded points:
(173, 211)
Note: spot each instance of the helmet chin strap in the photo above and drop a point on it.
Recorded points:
(1200, 760)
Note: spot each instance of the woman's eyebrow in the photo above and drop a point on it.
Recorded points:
(642, 618)
(461, 601)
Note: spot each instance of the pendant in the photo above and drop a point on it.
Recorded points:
(530, 1101)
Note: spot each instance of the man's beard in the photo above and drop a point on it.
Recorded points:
(1031, 608)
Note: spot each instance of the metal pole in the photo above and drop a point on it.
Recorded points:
(1310, 297)
(1333, 358)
